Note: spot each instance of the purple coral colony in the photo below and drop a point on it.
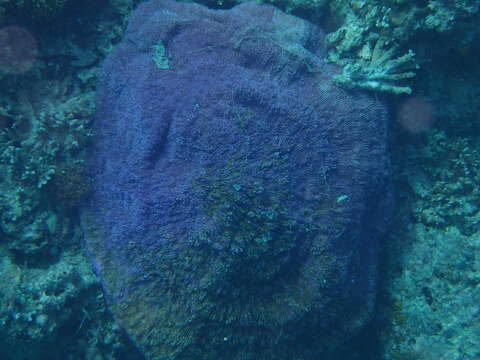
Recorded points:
(239, 194)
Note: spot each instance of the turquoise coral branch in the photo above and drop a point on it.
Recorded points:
(380, 71)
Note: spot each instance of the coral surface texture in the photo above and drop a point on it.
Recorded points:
(239, 194)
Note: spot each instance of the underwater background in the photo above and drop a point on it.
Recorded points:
(419, 57)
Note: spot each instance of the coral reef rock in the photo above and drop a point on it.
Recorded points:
(239, 195)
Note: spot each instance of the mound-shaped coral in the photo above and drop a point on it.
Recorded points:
(239, 194)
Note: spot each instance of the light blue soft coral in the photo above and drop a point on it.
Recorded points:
(379, 70)
(401, 24)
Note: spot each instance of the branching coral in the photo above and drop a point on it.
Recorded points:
(402, 24)
(379, 70)
(48, 129)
